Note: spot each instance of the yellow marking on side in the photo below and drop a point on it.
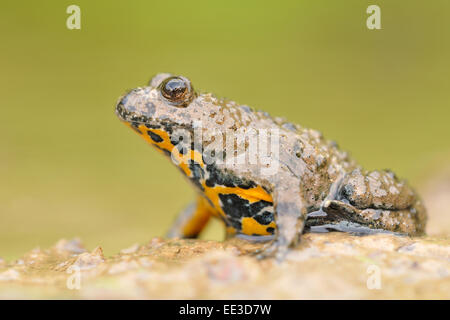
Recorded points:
(166, 144)
(252, 195)
(250, 227)
(185, 168)
(183, 160)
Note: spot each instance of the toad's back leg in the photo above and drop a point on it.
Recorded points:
(380, 200)
(191, 221)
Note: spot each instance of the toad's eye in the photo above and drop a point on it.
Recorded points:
(177, 91)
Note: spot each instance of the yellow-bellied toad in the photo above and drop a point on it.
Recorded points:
(303, 183)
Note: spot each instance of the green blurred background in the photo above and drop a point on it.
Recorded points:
(69, 168)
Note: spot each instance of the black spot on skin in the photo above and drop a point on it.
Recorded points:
(214, 177)
(197, 170)
(217, 177)
(211, 156)
(264, 218)
(152, 126)
(197, 147)
(155, 137)
(236, 224)
(175, 140)
(243, 184)
(270, 230)
(178, 141)
(170, 127)
(236, 207)
(197, 174)
(256, 207)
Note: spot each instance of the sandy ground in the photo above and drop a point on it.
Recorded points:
(333, 265)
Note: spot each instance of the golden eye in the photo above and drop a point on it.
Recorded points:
(177, 90)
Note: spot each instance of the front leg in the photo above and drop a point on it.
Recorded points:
(191, 221)
(290, 216)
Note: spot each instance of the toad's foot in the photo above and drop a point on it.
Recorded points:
(276, 249)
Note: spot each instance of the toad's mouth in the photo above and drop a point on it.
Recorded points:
(136, 106)
(136, 119)
(132, 117)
